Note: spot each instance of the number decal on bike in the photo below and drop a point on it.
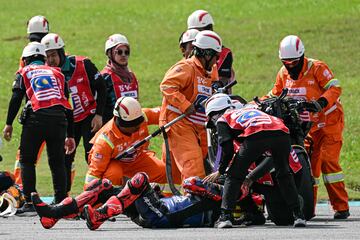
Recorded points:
(253, 118)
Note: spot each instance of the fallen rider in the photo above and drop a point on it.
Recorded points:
(142, 203)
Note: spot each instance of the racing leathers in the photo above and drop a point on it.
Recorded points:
(140, 201)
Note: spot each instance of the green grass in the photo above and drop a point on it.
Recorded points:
(329, 29)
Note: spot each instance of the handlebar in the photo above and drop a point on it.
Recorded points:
(225, 88)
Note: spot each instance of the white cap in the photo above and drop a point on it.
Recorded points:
(52, 41)
(33, 48)
(129, 111)
(38, 24)
(208, 40)
(199, 19)
(291, 47)
(217, 102)
(115, 40)
(189, 36)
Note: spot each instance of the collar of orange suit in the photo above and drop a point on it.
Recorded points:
(200, 66)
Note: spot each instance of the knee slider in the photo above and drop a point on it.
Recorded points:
(138, 183)
(195, 186)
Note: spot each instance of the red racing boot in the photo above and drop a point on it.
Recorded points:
(117, 204)
(69, 207)
(96, 217)
(49, 215)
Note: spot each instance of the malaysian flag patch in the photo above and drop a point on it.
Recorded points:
(45, 87)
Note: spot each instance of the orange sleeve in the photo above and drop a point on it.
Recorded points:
(176, 79)
(152, 115)
(100, 156)
(21, 63)
(326, 80)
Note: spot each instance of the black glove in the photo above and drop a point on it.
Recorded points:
(216, 85)
(323, 102)
(313, 106)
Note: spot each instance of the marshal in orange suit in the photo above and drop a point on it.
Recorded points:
(313, 81)
(128, 126)
(186, 84)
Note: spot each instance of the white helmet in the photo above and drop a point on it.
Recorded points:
(291, 47)
(38, 24)
(129, 111)
(52, 41)
(189, 36)
(208, 40)
(199, 19)
(8, 205)
(217, 102)
(33, 48)
(114, 40)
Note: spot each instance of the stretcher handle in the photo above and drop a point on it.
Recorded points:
(131, 149)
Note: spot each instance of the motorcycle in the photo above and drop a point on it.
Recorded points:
(289, 110)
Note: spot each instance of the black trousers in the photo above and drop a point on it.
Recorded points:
(252, 147)
(52, 130)
(82, 130)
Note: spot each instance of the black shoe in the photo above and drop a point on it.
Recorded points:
(224, 221)
(299, 219)
(27, 210)
(299, 222)
(342, 214)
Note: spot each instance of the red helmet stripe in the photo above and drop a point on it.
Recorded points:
(125, 108)
(44, 22)
(56, 39)
(214, 37)
(297, 44)
(210, 100)
(202, 15)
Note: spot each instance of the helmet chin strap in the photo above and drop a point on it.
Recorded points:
(208, 67)
(62, 56)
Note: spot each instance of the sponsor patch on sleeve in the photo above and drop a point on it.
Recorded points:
(98, 156)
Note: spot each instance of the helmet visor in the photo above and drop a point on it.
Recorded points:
(291, 62)
(132, 123)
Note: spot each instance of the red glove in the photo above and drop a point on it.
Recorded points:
(245, 187)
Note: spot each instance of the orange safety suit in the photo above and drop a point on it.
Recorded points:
(17, 169)
(316, 80)
(186, 83)
(109, 142)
